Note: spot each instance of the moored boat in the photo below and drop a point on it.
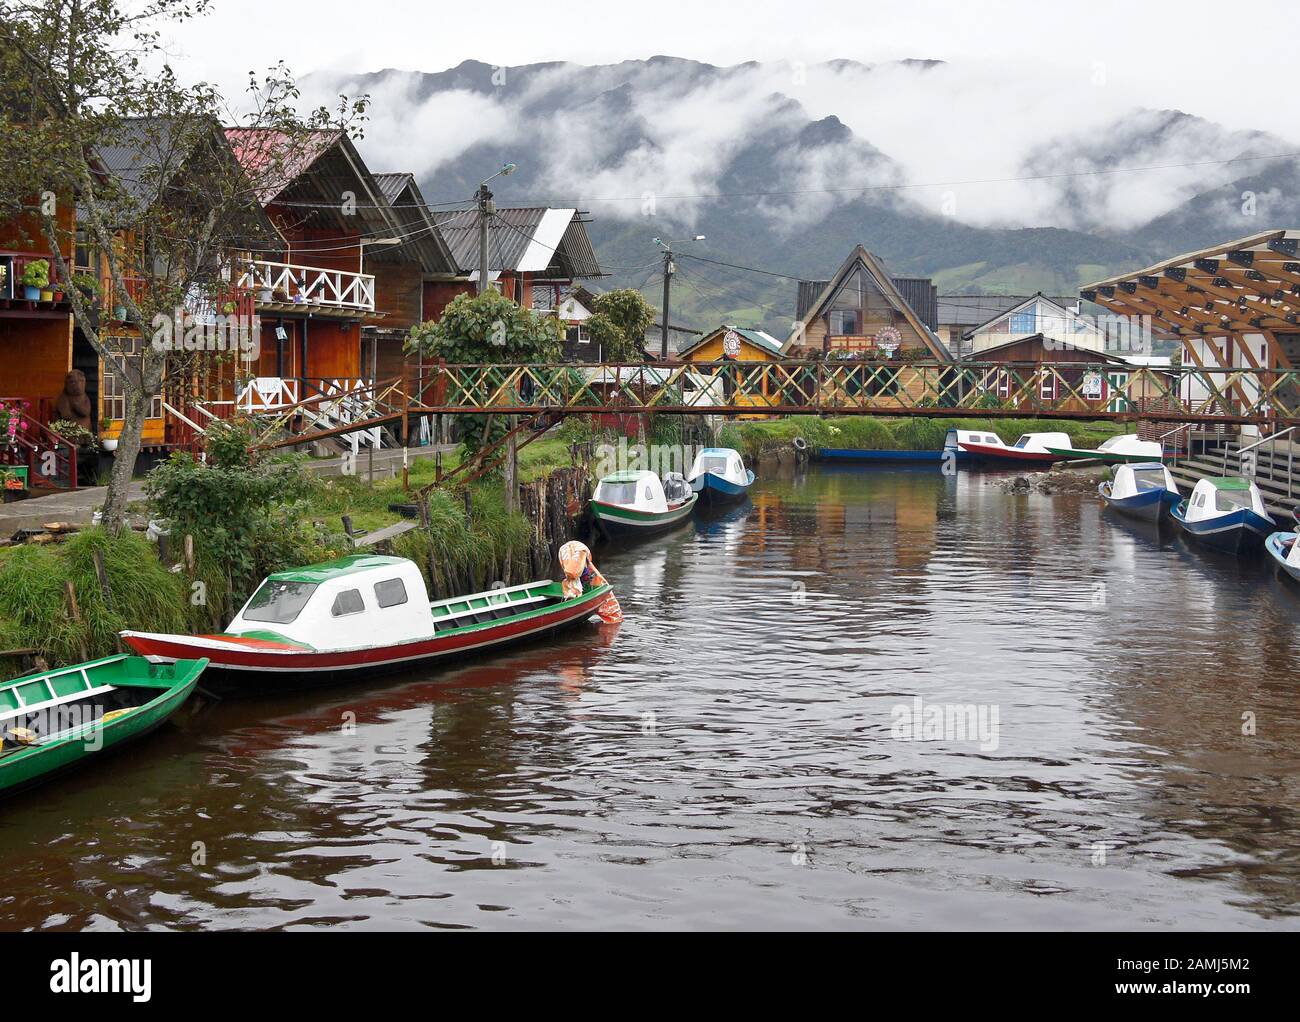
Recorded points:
(1146, 490)
(639, 503)
(719, 476)
(56, 720)
(1284, 549)
(1127, 447)
(369, 614)
(1226, 513)
(988, 446)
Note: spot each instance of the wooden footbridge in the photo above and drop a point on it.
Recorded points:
(1193, 395)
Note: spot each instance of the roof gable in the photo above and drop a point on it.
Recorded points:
(757, 339)
(862, 260)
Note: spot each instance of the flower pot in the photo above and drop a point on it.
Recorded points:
(119, 313)
(32, 294)
(110, 444)
(264, 295)
(47, 295)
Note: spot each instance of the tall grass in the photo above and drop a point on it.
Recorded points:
(142, 594)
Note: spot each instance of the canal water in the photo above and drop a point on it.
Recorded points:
(772, 738)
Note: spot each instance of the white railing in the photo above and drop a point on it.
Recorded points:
(325, 403)
(309, 285)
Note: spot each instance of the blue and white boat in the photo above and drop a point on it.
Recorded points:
(1284, 549)
(719, 476)
(1226, 513)
(1145, 490)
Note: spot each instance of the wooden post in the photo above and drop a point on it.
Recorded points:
(370, 464)
(512, 467)
(74, 612)
(189, 554)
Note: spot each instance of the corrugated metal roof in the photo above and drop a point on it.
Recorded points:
(392, 184)
(521, 239)
(919, 293)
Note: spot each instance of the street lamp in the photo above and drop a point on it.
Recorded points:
(486, 208)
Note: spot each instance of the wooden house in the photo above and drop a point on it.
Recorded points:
(732, 344)
(1073, 379)
(958, 315)
(401, 272)
(862, 310)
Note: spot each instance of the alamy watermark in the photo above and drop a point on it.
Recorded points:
(219, 332)
(919, 721)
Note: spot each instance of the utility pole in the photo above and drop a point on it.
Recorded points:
(668, 282)
(669, 269)
(486, 210)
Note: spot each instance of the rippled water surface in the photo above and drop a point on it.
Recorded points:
(726, 757)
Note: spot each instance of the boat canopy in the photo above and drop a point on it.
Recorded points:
(1132, 479)
(956, 437)
(638, 490)
(722, 462)
(1214, 498)
(361, 600)
(1041, 442)
(1131, 444)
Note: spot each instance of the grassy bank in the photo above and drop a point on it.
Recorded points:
(470, 552)
(766, 436)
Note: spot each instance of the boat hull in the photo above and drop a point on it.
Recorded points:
(1235, 533)
(621, 521)
(1147, 506)
(246, 666)
(1104, 456)
(714, 491)
(1278, 551)
(1009, 455)
(842, 454)
(25, 768)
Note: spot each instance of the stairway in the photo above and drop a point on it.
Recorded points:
(1277, 470)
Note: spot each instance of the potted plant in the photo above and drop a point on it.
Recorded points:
(15, 482)
(36, 279)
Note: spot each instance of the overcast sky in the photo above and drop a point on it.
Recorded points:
(1183, 55)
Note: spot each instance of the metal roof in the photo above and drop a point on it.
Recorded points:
(530, 239)
(972, 310)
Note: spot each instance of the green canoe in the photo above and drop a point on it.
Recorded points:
(59, 719)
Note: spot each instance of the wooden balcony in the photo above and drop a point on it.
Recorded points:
(290, 287)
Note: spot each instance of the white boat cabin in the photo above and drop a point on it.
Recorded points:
(1042, 443)
(360, 600)
(1132, 446)
(642, 490)
(722, 462)
(957, 438)
(1139, 477)
(1214, 498)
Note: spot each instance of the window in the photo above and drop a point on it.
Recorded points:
(649, 493)
(1232, 500)
(1025, 322)
(577, 335)
(113, 392)
(844, 321)
(278, 602)
(390, 593)
(714, 464)
(617, 493)
(1047, 385)
(348, 602)
(992, 440)
(1149, 479)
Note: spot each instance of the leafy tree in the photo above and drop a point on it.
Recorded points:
(619, 323)
(486, 329)
(82, 77)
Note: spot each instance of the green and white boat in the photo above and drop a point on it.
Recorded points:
(638, 503)
(1125, 448)
(60, 719)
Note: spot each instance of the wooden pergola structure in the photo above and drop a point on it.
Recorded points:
(1225, 293)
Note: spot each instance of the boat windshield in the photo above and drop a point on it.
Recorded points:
(1023, 441)
(1149, 479)
(278, 602)
(718, 466)
(1232, 500)
(618, 493)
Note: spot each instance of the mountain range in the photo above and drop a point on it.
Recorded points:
(785, 168)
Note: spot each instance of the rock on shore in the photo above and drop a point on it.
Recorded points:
(1056, 480)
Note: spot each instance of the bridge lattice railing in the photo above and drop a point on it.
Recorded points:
(1046, 389)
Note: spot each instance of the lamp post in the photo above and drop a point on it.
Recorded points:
(669, 270)
(486, 208)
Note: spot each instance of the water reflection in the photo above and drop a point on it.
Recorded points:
(725, 757)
